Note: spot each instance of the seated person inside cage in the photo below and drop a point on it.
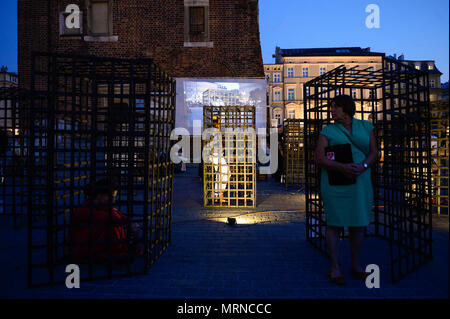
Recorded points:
(110, 237)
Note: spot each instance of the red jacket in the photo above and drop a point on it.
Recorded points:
(100, 216)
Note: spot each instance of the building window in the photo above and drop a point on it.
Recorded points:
(305, 72)
(430, 66)
(290, 73)
(278, 118)
(196, 22)
(291, 94)
(277, 78)
(323, 71)
(337, 92)
(267, 78)
(354, 93)
(417, 67)
(308, 90)
(277, 96)
(291, 114)
(432, 84)
(100, 18)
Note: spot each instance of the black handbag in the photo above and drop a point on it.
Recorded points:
(341, 153)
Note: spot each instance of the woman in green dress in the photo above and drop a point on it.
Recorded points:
(347, 205)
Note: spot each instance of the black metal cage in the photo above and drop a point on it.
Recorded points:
(13, 154)
(395, 99)
(100, 178)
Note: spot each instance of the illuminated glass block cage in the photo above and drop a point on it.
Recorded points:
(293, 152)
(395, 99)
(440, 155)
(100, 175)
(229, 156)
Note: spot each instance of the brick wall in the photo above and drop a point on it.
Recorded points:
(153, 29)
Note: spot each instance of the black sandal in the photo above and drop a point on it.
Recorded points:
(340, 280)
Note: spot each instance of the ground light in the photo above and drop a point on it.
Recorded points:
(252, 218)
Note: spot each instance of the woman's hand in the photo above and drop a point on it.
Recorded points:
(358, 169)
(349, 169)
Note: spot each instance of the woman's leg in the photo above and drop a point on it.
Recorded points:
(356, 239)
(333, 240)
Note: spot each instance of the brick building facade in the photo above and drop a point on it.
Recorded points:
(228, 46)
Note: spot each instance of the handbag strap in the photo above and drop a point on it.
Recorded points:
(351, 140)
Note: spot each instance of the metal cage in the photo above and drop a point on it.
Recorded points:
(440, 155)
(395, 99)
(13, 155)
(294, 153)
(229, 167)
(100, 175)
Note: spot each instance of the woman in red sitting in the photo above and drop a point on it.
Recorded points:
(108, 226)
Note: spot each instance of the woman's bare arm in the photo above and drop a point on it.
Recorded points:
(372, 157)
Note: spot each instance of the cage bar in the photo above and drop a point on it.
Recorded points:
(99, 166)
(440, 155)
(229, 167)
(294, 153)
(396, 100)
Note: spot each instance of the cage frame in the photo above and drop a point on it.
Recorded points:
(237, 127)
(440, 155)
(13, 163)
(398, 98)
(77, 104)
(293, 130)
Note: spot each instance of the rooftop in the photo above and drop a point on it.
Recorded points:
(423, 64)
(4, 69)
(339, 51)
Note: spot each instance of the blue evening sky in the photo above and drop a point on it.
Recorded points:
(417, 28)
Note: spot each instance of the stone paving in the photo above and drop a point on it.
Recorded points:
(209, 259)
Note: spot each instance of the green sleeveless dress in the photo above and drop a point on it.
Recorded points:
(349, 205)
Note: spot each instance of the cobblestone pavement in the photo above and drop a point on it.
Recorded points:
(209, 259)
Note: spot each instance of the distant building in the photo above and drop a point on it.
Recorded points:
(8, 79)
(434, 74)
(221, 96)
(294, 67)
(444, 88)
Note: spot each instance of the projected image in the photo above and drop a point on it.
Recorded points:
(194, 94)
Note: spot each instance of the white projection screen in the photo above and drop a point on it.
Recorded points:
(194, 93)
